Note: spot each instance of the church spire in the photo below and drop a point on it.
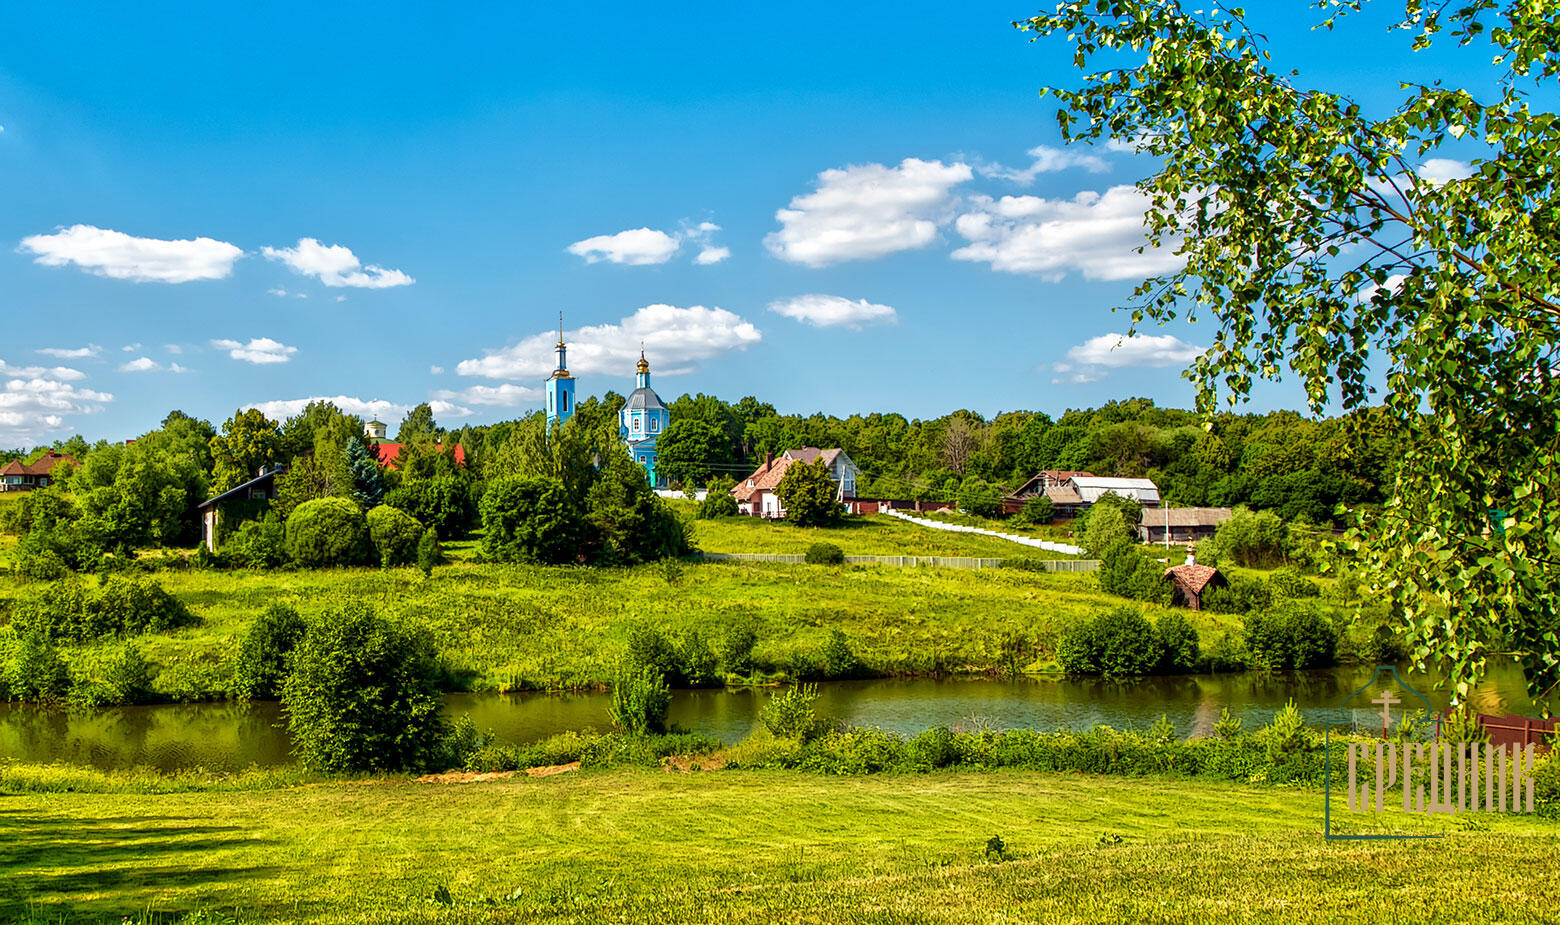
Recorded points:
(642, 371)
(562, 371)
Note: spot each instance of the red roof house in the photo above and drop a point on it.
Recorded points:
(1191, 579)
(20, 476)
(389, 452)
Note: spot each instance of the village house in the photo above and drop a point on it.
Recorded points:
(21, 476)
(261, 488)
(1181, 524)
(1192, 581)
(756, 494)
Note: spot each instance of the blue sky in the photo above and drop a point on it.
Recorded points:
(207, 208)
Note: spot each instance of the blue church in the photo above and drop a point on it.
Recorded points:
(641, 422)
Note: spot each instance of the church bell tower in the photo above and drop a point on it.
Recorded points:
(560, 386)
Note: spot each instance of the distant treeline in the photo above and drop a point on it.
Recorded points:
(144, 493)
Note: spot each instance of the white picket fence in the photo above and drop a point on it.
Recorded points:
(1063, 548)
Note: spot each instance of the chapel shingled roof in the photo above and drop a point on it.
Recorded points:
(1193, 577)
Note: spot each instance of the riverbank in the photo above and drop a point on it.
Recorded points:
(657, 846)
(514, 627)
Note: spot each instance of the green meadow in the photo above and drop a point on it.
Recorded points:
(748, 846)
(875, 535)
(507, 627)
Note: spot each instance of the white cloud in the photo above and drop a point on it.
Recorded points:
(259, 350)
(117, 255)
(1092, 233)
(281, 293)
(283, 408)
(71, 353)
(505, 395)
(62, 373)
(175, 349)
(865, 211)
(636, 247)
(674, 339)
(639, 247)
(1046, 160)
(149, 365)
(436, 370)
(1390, 286)
(131, 348)
(30, 406)
(335, 266)
(1438, 170)
(827, 311)
(341, 298)
(1090, 360)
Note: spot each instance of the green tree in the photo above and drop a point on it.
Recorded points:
(628, 523)
(1312, 236)
(361, 694)
(810, 495)
(530, 520)
(718, 501)
(1106, 528)
(418, 426)
(690, 450)
(249, 440)
(260, 668)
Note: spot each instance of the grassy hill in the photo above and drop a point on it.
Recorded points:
(663, 847)
(512, 627)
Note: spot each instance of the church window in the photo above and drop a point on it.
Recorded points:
(655, 425)
(563, 402)
(636, 425)
(643, 460)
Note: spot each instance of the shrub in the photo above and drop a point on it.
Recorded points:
(736, 651)
(697, 660)
(980, 498)
(649, 648)
(1178, 642)
(443, 502)
(824, 554)
(1115, 643)
(428, 551)
(260, 668)
(640, 701)
(138, 605)
(1252, 539)
(717, 502)
(838, 661)
(1037, 510)
(1127, 571)
(791, 714)
(1286, 734)
(395, 535)
(120, 606)
(328, 531)
(1242, 596)
(1293, 637)
(126, 678)
(361, 694)
(530, 520)
(934, 748)
(36, 671)
(1287, 583)
(257, 544)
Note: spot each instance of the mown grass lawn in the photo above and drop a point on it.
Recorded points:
(659, 847)
(513, 627)
(875, 535)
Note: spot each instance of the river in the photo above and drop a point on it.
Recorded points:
(232, 736)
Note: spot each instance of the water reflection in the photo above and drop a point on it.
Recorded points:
(232, 736)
